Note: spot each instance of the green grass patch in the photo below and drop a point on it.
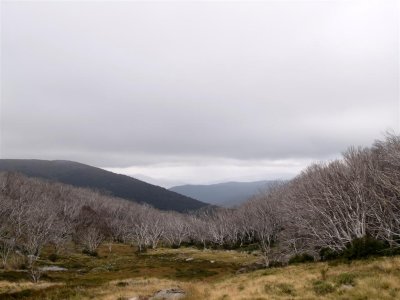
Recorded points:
(346, 279)
(194, 273)
(286, 288)
(14, 276)
(321, 287)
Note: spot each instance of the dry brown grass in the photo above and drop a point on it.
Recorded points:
(373, 279)
(129, 288)
(228, 256)
(13, 287)
(377, 278)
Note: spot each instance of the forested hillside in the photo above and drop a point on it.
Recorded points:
(325, 211)
(81, 175)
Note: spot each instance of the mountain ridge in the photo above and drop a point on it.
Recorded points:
(226, 194)
(119, 185)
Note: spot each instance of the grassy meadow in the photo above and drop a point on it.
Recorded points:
(204, 274)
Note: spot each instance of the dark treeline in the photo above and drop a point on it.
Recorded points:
(322, 211)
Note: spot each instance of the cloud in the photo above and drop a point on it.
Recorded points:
(153, 88)
(210, 170)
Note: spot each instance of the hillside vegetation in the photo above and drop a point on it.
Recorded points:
(210, 274)
(81, 175)
(341, 211)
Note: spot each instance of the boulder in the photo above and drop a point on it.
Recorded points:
(169, 294)
(346, 287)
(53, 269)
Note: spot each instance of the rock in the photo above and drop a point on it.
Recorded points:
(52, 269)
(189, 259)
(169, 294)
(212, 261)
(346, 287)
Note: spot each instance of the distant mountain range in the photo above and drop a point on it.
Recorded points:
(226, 194)
(86, 176)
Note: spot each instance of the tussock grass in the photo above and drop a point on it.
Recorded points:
(210, 274)
(14, 287)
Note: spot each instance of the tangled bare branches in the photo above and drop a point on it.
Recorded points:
(326, 206)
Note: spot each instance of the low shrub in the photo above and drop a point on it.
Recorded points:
(364, 247)
(53, 257)
(321, 287)
(90, 253)
(283, 288)
(324, 272)
(301, 258)
(328, 254)
(346, 279)
(286, 288)
(249, 248)
(358, 249)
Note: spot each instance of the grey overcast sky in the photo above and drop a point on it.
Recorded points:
(197, 92)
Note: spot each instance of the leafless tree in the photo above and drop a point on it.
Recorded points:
(386, 188)
(177, 228)
(7, 235)
(198, 230)
(91, 229)
(266, 221)
(328, 205)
